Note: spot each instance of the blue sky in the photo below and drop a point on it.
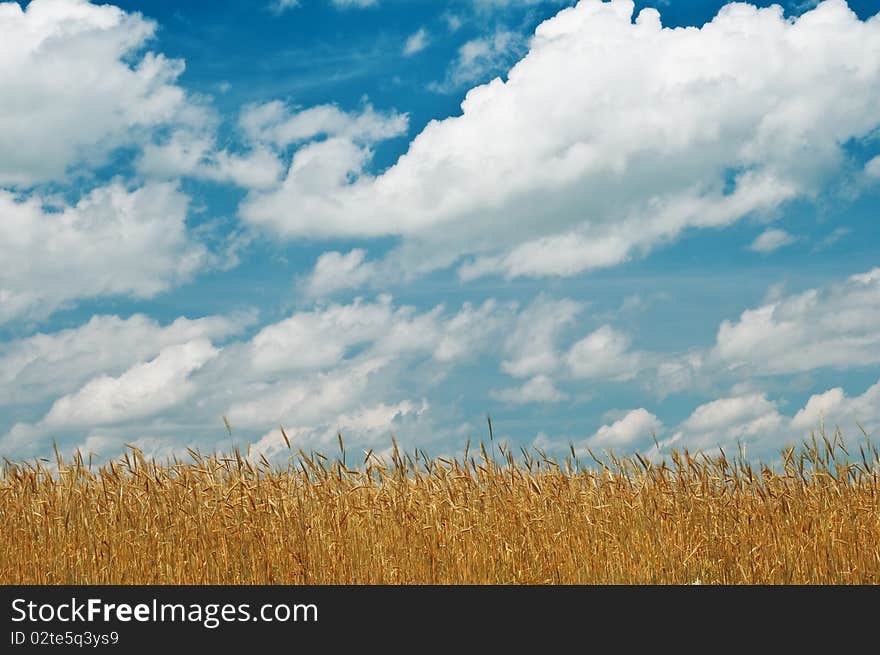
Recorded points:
(598, 222)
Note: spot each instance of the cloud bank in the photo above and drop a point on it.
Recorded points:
(578, 160)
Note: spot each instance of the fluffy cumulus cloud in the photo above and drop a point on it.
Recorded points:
(726, 420)
(332, 146)
(836, 326)
(267, 130)
(113, 241)
(586, 160)
(756, 423)
(473, 330)
(368, 367)
(364, 367)
(309, 400)
(573, 161)
(371, 425)
(636, 426)
(142, 390)
(546, 346)
(336, 271)
(77, 84)
(46, 365)
(532, 345)
(749, 424)
(194, 153)
(320, 338)
(633, 431)
(603, 354)
(834, 407)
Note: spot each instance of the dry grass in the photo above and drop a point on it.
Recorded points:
(489, 518)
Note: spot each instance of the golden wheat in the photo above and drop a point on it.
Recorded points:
(490, 518)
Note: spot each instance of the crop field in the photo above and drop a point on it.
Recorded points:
(488, 516)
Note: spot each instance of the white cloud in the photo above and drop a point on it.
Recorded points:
(636, 426)
(818, 407)
(586, 160)
(325, 336)
(872, 168)
(361, 367)
(563, 255)
(277, 124)
(268, 128)
(318, 166)
(472, 330)
(318, 365)
(751, 421)
(335, 271)
(539, 389)
(77, 84)
(109, 442)
(142, 390)
(315, 366)
(531, 346)
(835, 408)
(377, 417)
(603, 354)
(416, 42)
(757, 423)
(678, 372)
(632, 432)
(479, 58)
(805, 5)
(725, 412)
(145, 389)
(836, 326)
(771, 240)
(112, 242)
(308, 400)
(320, 338)
(336, 366)
(48, 364)
(194, 154)
(372, 425)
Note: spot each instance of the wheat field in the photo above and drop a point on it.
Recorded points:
(485, 517)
